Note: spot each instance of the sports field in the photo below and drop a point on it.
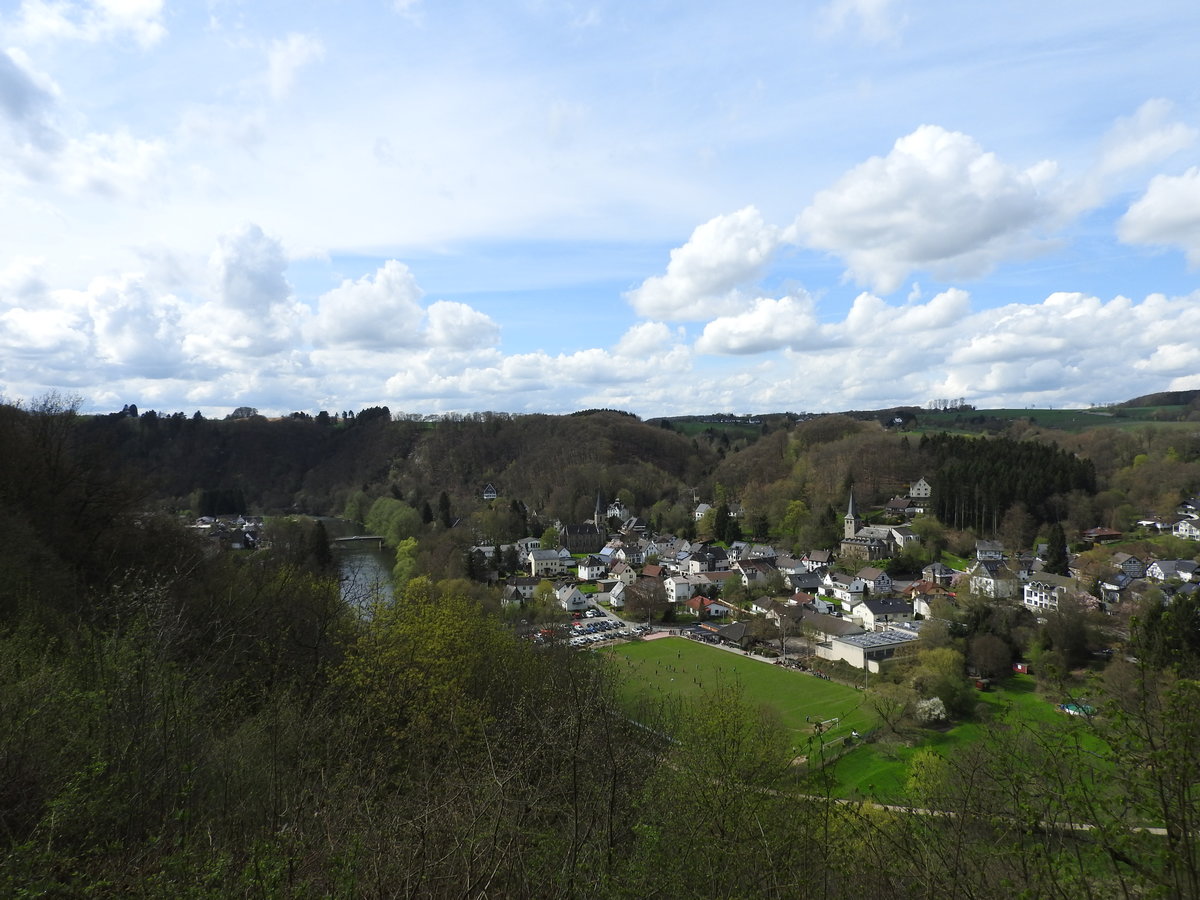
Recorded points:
(691, 669)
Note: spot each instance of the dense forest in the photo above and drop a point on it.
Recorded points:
(178, 721)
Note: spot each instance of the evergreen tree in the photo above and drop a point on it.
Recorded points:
(1056, 551)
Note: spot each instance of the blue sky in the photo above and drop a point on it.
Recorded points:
(665, 207)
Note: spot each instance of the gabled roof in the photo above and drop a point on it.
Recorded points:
(734, 631)
(888, 607)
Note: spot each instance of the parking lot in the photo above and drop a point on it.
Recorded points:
(588, 627)
(595, 626)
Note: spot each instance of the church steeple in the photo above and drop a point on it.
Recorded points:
(852, 523)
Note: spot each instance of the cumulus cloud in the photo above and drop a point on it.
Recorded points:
(458, 325)
(287, 57)
(870, 315)
(647, 358)
(1167, 214)
(936, 202)
(373, 312)
(647, 339)
(768, 325)
(253, 313)
(91, 20)
(384, 312)
(135, 327)
(881, 355)
(705, 276)
(249, 267)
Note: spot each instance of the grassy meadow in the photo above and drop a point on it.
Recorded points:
(878, 770)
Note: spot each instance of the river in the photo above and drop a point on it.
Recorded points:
(366, 573)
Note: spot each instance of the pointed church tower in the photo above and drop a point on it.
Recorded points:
(599, 518)
(852, 523)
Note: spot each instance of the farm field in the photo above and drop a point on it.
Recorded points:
(694, 670)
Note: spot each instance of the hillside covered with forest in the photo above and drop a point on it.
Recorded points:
(179, 720)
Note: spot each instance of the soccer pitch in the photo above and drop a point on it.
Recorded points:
(694, 670)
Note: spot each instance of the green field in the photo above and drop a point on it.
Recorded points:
(691, 669)
(880, 770)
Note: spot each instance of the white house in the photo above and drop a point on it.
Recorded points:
(713, 609)
(993, 579)
(623, 573)
(1166, 569)
(571, 598)
(989, 550)
(591, 568)
(1188, 529)
(753, 570)
(846, 588)
(683, 585)
(876, 580)
(874, 614)
(543, 563)
(1043, 592)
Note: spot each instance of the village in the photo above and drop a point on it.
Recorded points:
(838, 604)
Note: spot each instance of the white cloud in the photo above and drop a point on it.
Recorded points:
(111, 164)
(249, 267)
(22, 283)
(377, 312)
(647, 339)
(1145, 138)
(460, 326)
(48, 335)
(768, 325)
(936, 202)
(1167, 214)
(27, 101)
(253, 314)
(705, 275)
(135, 327)
(384, 313)
(92, 20)
(874, 19)
(872, 318)
(649, 358)
(287, 57)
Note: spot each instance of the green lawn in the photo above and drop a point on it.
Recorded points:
(691, 669)
(879, 770)
(958, 563)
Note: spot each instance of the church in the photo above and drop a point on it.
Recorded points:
(871, 542)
